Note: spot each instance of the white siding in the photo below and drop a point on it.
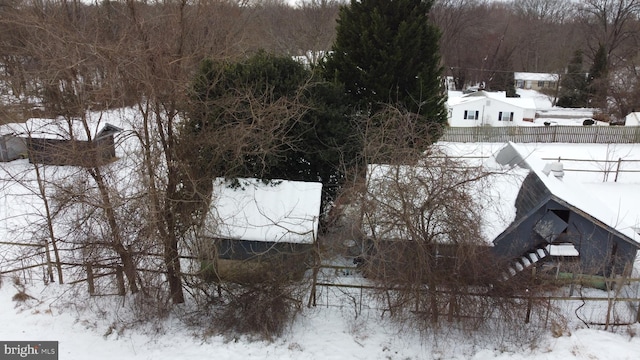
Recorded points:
(489, 108)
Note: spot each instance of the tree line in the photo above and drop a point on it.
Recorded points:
(481, 41)
(591, 44)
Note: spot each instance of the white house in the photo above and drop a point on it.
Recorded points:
(484, 108)
(633, 119)
(535, 81)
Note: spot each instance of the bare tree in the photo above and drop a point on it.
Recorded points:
(546, 34)
(462, 24)
(611, 23)
(551, 11)
(421, 220)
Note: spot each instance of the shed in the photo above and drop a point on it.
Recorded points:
(56, 142)
(483, 108)
(256, 220)
(412, 214)
(12, 147)
(553, 214)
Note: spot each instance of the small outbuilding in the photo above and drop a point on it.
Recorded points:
(252, 222)
(12, 147)
(556, 219)
(57, 142)
(633, 119)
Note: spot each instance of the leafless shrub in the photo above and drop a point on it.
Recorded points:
(559, 329)
(632, 331)
(262, 309)
(21, 296)
(422, 214)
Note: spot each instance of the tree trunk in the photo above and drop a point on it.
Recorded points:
(123, 252)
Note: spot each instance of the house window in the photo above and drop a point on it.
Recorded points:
(471, 115)
(540, 84)
(505, 116)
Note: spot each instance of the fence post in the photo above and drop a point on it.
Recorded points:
(530, 298)
(316, 270)
(92, 289)
(618, 169)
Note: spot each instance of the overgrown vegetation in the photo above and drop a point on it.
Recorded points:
(208, 103)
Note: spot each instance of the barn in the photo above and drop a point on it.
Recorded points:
(560, 223)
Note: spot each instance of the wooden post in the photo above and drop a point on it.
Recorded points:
(530, 298)
(316, 269)
(618, 169)
(92, 289)
(120, 280)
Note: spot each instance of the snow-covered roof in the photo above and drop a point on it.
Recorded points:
(530, 76)
(590, 174)
(525, 103)
(571, 192)
(55, 129)
(277, 211)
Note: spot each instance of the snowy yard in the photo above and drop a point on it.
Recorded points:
(98, 328)
(106, 327)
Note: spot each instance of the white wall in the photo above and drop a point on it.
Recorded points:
(633, 119)
(456, 114)
(488, 110)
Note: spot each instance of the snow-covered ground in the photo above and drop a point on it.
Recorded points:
(105, 327)
(97, 328)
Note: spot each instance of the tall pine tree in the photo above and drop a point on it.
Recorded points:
(386, 52)
(573, 91)
(598, 84)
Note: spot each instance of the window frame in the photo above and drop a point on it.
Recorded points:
(501, 116)
(475, 113)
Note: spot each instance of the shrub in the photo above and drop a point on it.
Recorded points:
(263, 309)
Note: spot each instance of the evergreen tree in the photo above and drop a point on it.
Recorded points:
(511, 85)
(598, 82)
(386, 52)
(503, 79)
(573, 90)
(291, 126)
